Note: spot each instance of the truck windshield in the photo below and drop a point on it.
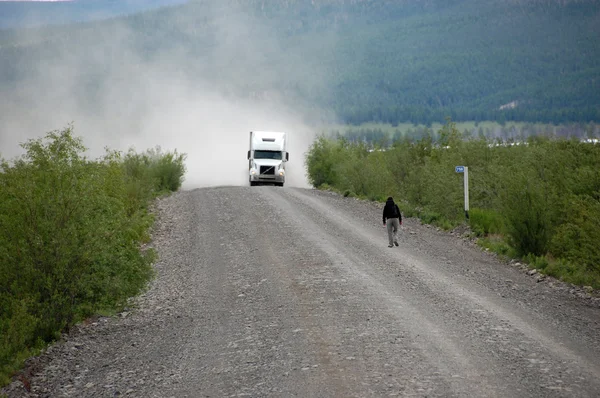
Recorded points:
(267, 155)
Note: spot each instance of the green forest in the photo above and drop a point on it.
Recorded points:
(537, 199)
(363, 61)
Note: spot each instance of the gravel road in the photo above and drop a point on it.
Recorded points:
(270, 291)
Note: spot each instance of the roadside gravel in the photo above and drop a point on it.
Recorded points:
(289, 292)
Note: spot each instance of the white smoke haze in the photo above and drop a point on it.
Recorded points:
(145, 102)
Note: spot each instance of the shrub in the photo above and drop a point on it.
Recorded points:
(538, 262)
(167, 169)
(485, 222)
(139, 181)
(321, 162)
(527, 219)
(152, 172)
(17, 335)
(70, 236)
(578, 238)
(429, 217)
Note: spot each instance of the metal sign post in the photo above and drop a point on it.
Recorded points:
(465, 171)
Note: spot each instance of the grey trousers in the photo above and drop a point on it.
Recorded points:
(392, 228)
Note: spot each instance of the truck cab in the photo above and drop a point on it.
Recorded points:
(267, 157)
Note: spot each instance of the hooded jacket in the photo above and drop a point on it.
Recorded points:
(391, 210)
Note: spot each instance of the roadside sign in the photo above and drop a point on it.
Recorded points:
(465, 171)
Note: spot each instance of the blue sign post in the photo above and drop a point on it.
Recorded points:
(465, 171)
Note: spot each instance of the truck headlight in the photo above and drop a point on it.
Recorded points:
(252, 171)
(281, 173)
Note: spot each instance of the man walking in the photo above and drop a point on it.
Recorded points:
(393, 219)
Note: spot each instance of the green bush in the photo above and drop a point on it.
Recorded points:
(484, 222)
(430, 217)
(139, 181)
(70, 236)
(321, 161)
(578, 238)
(152, 172)
(528, 221)
(17, 337)
(166, 169)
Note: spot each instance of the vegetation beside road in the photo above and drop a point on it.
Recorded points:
(72, 232)
(538, 200)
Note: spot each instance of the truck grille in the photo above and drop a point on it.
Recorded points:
(269, 170)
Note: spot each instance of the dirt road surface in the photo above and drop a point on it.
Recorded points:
(283, 292)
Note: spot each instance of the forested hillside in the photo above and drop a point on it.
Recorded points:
(390, 61)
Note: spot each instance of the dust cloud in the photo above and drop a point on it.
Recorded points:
(120, 97)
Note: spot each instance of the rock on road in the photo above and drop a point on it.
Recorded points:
(290, 292)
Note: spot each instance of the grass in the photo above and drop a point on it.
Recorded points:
(564, 270)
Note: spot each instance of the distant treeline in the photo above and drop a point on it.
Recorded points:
(539, 200)
(383, 135)
(429, 115)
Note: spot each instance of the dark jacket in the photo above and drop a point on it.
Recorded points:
(391, 210)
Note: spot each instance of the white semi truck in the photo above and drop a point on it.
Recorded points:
(267, 157)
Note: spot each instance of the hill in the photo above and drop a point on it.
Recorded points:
(22, 14)
(388, 61)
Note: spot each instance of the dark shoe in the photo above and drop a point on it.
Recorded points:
(390, 245)
(396, 242)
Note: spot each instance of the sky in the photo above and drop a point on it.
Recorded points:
(145, 102)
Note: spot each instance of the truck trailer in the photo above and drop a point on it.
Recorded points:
(267, 157)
